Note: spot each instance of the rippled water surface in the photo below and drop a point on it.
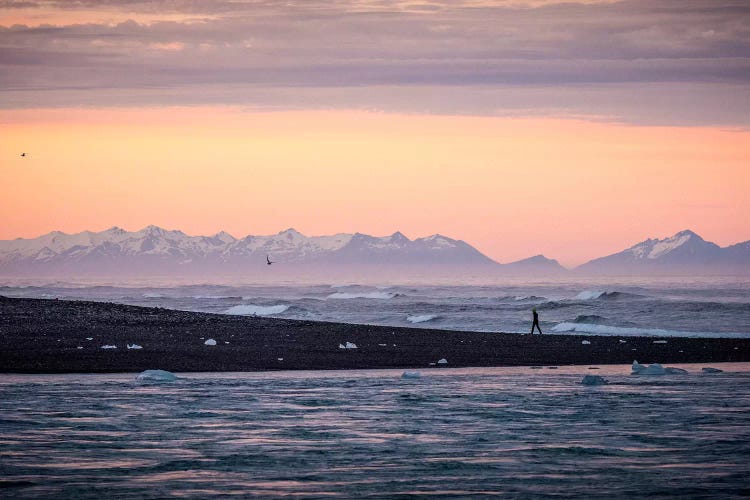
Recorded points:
(517, 432)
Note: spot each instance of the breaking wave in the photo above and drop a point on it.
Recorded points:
(363, 295)
(602, 294)
(421, 318)
(252, 309)
(597, 329)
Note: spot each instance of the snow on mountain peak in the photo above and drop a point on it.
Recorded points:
(663, 247)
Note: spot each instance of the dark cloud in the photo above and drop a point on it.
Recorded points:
(322, 46)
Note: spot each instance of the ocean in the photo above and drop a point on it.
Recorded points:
(716, 307)
(513, 432)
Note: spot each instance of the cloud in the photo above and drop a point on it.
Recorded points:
(700, 48)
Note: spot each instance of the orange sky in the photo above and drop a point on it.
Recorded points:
(512, 187)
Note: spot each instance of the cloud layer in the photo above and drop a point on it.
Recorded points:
(665, 62)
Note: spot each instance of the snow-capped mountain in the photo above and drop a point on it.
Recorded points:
(156, 250)
(683, 253)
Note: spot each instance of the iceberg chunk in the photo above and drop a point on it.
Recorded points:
(593, 380)
(210, 342)
(134, 346)
(156, 376)
(655, 369)
(585, 342)
(442, 361)
(109, 346)
(411, 375)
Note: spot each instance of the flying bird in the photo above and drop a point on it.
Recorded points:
(268, 260)
(23, 155)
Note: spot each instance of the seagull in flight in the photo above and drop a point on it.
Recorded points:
(23, 155)
(268, 260)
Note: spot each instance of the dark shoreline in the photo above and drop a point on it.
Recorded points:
(44, 336)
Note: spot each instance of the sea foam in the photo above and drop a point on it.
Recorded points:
(586, 328)
(421, 318)
(252, 309)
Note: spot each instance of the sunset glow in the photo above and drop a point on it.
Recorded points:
(572, 129)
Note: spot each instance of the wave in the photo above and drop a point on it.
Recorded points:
(363, 295)
(592, 319)
(534, 298)
(256, 310)
(597, 329)
(605, 295)
(153, 295)
(217, 297)
(421, 318)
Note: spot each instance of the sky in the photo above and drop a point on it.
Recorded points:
(572, 129)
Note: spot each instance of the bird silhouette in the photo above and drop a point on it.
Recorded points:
(23, 155)
(268, 260)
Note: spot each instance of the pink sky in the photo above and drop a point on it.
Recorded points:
(512, 187)
(572, 128)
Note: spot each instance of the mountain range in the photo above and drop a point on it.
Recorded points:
(154, 250)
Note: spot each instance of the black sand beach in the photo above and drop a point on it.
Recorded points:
(50, 336)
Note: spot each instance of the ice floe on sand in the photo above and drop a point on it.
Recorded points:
(156, 376)
(210, 342)
(593, 380)
(411, 375)
(654, 369)
(442, 361)
(256, 310)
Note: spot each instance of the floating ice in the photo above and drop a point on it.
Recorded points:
(623, 341)
(585, 342)
(134, 346)
(252, 309)
(342, 346)
(655, 369)
(210, 342)
(109, 346)
(89, 338)
(421, 318)
(79, 347)
(593, 380)
(660, 341)
(708, 369)
(442, 361)
(348, 345)
(156, 376)
(674, 371)
(382, 345)
(279, 359)
(411, 375)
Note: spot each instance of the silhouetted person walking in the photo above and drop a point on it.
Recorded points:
(536, 321)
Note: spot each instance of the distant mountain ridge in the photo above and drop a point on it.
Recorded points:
(682, 253)
(154, 250)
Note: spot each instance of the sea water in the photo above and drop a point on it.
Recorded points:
(633, 306)
(517, 432)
